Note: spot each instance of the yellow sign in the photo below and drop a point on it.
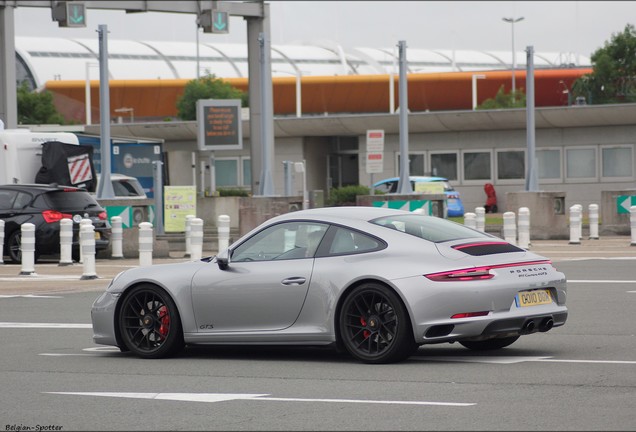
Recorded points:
(429, 188)
(178, 202)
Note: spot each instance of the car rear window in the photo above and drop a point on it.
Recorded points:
(68, 200)
(429, 227)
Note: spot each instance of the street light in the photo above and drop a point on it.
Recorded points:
(514, 57)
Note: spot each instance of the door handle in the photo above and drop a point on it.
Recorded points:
(298, 280)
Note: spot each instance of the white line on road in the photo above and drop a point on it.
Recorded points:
(15, 325)
(603, 281)
(29, 296)
(220, 397)
(587, 361)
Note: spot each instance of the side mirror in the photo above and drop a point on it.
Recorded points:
(223, 259)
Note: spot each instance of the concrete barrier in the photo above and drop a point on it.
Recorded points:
(575, 224)
(470, 220)
(66, 242)
(593, 218)
(188, 235)
(87, 247)
(632, 222)
(196, 240)
(223, 229)
(523, 228)
(509, 228)
(117, 237)
(481, 218)
(1, 241)
(145, 244)
(27, 248)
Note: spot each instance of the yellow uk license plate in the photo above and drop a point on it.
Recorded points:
(97, 236)
(533, 298)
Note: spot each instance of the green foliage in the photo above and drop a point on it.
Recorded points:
(516, 99)
(208, 87)
(226, 192)
(36, 107)
(613, 78)
(346, 195)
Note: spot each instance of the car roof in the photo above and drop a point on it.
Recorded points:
(39, 187)
(343, 213)
(414, 179)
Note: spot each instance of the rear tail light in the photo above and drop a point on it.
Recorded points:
(102, 216)
(478, 273)
(51, 216)
(470, 314)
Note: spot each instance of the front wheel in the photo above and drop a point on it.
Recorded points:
(374, 325)
(149, 323)
(490, 344)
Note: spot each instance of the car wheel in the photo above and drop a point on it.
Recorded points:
(14, 247)
(374, 325)
(490, 344)
(149, 323)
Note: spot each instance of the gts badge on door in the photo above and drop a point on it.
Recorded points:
(206, 327)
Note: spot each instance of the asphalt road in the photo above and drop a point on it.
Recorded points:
(581, 376)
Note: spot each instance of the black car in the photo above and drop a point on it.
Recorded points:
(44, 206)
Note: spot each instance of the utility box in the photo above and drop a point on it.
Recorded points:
(548, 215)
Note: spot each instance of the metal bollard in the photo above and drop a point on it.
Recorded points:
(87, 251)
(632, 223)
(66, 242)
(509, 228)
(145, 244)
(223, 228)
(481, 218)
(575, 222)
(27, 248)
(117, 237)
(83, 222)
(593, 212)
(580, 207)
(196, 238)
(470, 221)
(524, 228)
(1, 242)
(188, 235)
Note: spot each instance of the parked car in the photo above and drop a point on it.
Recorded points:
(375, 282)
(453, 201)
(125, 186)
(44, 206)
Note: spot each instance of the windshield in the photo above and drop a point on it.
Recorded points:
(429, 227)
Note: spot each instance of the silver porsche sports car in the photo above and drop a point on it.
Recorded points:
(376, 283)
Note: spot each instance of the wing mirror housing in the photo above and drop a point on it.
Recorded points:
(223, 259)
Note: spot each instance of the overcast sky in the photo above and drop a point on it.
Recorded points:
(560, 26)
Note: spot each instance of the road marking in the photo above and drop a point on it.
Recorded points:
(16, 325)
(587, 361)
(30, 296)
(44, 278)
(603, 281)
(221, 397)
(483, 359)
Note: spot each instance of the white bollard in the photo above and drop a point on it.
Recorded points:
(196, 235)
(27, 248)
(188, 235)
(87, 251)
(481, 218)
(223, 228)
(575, 222)
(632, 223)
(470, 220)
(83, 222)
(523, 223)
(145, 244)
(1, 242)
(593, 212)
(509, 228)
(580, 207)
(117, 237)
(66, 242)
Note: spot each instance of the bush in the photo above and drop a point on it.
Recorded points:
(346, 195)
(233, 192)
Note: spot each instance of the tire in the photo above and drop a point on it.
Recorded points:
(490, 344)
(149, 323)
(374, 325)
(14, 244)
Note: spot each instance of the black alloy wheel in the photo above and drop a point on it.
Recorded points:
(374, 325)
(14, 247)
(490, 344)
(149, 323)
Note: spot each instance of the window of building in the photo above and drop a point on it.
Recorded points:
(444, 165)
(247, 171)
(549, 164)
(416, 164)
(617, 162)
(511, 165)
(477, 165)
(580, 164)
(226, 172)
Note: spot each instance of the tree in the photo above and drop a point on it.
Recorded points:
(36, 107)
(516, 99)
(208, 87)
(613, 77)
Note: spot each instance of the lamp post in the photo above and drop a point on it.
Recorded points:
(87, 95)
(512, 21)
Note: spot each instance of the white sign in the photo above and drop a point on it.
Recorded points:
(375, 163)
(375, 141)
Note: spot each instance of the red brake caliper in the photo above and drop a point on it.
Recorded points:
(165, 321)
(365, 333)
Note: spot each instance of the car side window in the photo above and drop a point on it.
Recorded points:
(22, 200)
(346, 241)
(7, 197)
(291, 240)
(386, 187)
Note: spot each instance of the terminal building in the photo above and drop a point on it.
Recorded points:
(582, 150)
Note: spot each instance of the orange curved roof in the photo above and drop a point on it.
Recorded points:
(152, 99)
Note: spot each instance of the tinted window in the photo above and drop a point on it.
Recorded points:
(6, 199)
(428, 227)
(69, 200)
(346, 241)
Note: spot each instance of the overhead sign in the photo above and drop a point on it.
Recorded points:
(220, 22)
(219, 124)
(70, 13)
(624, 202)
(375, 151)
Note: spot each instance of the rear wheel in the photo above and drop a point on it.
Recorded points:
(14, 247)
(490, 344)
(149, 323)
(374, 325)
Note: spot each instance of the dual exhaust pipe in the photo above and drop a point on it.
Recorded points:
(530, 326)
